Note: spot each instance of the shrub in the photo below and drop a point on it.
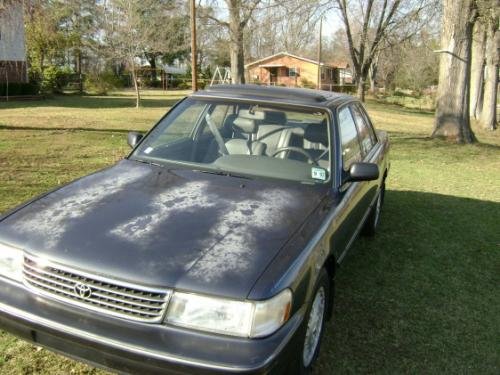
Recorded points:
(101, 84)
(304, 82)
(54, 78)
(184, 85)
(346, 89)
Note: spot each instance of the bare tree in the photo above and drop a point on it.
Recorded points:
(370, 23)
(128, 27)
(452, 110)
(240, 13)
(291, 26)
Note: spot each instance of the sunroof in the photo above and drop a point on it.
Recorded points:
(269, 91)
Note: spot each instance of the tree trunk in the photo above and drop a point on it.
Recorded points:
(372, 72)
(236, 48)
(152, 63)
(136, 87)
(78, 61)
(488, 118)
(373, 75)
(452, 110)
(477, 70)
(361, 88)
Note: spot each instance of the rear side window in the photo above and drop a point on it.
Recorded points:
(366, 134)
(351, 151)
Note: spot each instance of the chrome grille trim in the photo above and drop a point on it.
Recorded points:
(110, 297)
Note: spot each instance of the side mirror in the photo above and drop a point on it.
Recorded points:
(363, 172)
(133, 138)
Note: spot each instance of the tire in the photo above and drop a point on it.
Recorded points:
(371, 224)
(314, 324)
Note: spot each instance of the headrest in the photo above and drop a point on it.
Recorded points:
(245, 125)
(256, 115)
(317, 133)
(275, 117)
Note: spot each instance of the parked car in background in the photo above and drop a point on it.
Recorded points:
(211, 248)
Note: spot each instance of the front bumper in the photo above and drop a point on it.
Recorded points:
(134, 347)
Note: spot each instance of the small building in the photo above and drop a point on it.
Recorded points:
(345, 73)
(13, 66)
(285, 69)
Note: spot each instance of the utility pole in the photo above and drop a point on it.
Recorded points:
(319, 52)
(194, 53)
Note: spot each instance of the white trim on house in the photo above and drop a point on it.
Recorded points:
(285, 54)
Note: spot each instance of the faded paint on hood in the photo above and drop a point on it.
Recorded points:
(165, 227)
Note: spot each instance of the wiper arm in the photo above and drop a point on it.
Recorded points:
(147, 162)
(222, 173)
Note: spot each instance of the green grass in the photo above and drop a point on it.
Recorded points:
(421, 297)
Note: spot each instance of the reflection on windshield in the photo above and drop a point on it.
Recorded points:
(243, 139)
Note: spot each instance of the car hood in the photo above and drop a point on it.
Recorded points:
(165, 227)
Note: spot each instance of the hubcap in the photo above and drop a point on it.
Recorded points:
(314, 326)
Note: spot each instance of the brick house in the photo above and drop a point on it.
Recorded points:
(12, 46)
(294, 71)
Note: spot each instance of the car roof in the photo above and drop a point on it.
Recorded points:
(285, 95)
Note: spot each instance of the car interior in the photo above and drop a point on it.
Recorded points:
(260, 133)
(270, 133)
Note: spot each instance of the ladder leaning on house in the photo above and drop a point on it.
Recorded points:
(221, 76)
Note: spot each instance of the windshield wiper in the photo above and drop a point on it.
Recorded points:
(222, 173)
(147, 162)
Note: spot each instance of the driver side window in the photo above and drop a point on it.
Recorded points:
(351, 150)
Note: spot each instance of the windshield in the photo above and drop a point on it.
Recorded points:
(258, 140)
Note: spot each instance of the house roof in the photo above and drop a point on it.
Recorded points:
(339, 64)
(281, 54)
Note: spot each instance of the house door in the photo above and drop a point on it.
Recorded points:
(273, 75)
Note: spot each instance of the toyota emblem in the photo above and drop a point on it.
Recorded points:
(82, 290)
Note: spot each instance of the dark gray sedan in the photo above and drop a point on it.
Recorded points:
(211, 248)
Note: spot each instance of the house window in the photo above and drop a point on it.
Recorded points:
(292, 72)
(323, 75)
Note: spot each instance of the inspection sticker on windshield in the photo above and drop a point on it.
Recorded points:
(148, 150)
(318, 173)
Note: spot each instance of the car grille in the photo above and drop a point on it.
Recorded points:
(109, 297)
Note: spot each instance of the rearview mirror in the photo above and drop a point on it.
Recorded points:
(363, 172)
(133, 138)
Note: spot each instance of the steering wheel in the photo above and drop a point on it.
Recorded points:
(299, 150)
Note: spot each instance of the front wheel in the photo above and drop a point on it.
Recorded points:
(316, 316)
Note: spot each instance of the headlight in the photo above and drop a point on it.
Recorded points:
(11, 262)
(229, 317)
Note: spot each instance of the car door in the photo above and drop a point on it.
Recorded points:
(349, 211)
(368, 140)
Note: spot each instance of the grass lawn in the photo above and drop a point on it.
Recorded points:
(423, 296)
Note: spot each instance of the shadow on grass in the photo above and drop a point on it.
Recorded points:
(93, 102)
(422, 296)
